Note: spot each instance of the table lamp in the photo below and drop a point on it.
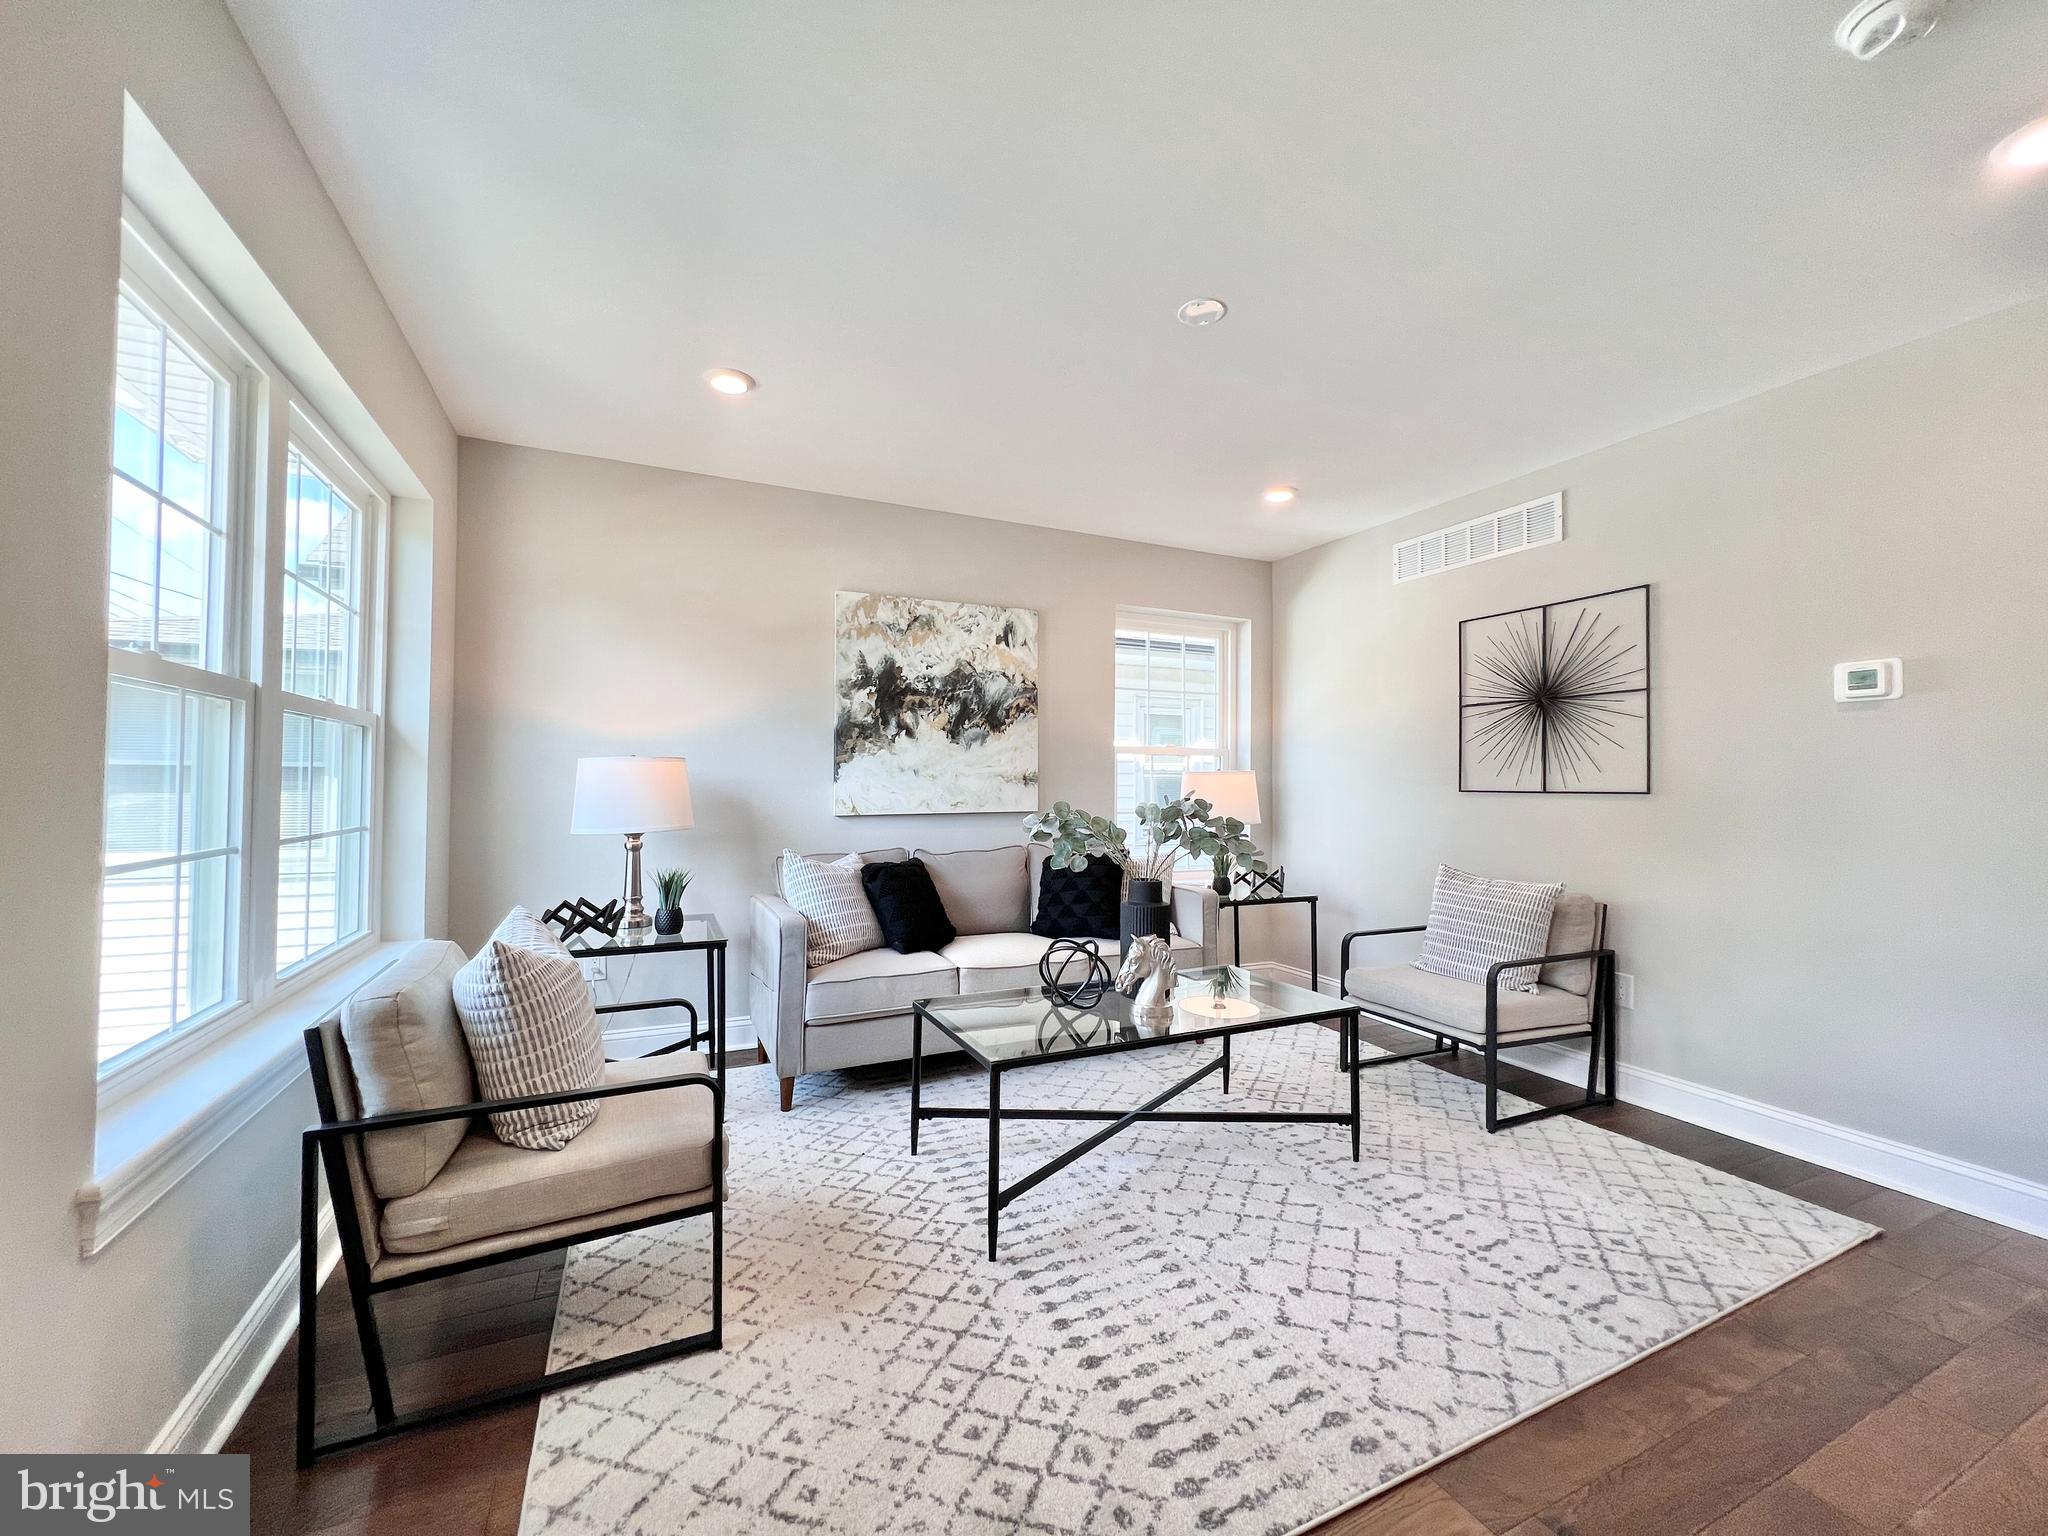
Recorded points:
(1230, 792)
(632, 796)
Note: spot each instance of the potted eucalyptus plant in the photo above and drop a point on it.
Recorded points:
(1170, 828)
(669, 885)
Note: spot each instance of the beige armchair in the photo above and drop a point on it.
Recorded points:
(1574, 999)
(421, 1187)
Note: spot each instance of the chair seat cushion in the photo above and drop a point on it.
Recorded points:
(1459, 1007)
(876, 981)
(996, 962)
(641, 1146)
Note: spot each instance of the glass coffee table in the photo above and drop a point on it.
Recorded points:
(1004, 1031)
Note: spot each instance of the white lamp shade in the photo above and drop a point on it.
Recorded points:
(631, 794)
(1229, 791)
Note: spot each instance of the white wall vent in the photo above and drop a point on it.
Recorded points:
(1498, 533)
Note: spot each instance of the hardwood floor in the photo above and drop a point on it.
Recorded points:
(1902, 1387)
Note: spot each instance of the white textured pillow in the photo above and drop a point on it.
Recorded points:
(523, 930)
(531, 1027)
(838, 920)
(1474, 922)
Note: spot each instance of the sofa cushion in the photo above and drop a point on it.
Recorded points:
(406, 1051)
(877, 981)
(996, 962)
(1574, 925)
(993, 962)
(838, 919)
(1475, 922)
(986, 890)
(1459, 1007)
(531, 1028)
(907, 906)
(641, 1146)
(1078, 903)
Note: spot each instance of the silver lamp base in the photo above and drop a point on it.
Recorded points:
(637, 919)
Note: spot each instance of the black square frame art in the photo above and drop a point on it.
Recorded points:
(1555, 699)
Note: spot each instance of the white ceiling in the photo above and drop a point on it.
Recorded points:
(1459, 240)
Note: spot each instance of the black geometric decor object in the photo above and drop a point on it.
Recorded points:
(1262, 885)
(1556, 699)
(1074, 972)
(579, 914)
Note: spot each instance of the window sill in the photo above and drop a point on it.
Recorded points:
(150, 1139)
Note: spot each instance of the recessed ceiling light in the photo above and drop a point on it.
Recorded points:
(729, 381)
(1202, 311)
(2026, 150)
(1280, 495)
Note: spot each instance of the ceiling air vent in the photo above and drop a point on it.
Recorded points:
(1498, 533)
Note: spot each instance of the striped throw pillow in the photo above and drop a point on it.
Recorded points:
(527, 1015)
(1474, 922)
(838, 920)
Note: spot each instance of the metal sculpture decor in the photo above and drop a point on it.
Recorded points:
(1556, 699)
(581, 915)
(1262, 885)
(1147, 978)
(1056, 970)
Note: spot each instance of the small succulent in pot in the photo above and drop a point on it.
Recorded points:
(669, 885)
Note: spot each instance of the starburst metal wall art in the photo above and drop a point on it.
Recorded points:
(1556, 699)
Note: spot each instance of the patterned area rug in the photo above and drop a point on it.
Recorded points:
(1227, 1328)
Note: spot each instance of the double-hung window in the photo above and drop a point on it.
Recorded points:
(1176, 696)
(324, 802)
(178, 694)
(243, 673)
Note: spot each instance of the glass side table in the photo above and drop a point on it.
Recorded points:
(1236, 905)
(700, 934)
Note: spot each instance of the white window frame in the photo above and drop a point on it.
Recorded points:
(268, 412)
(346, 473)
(1231, 750)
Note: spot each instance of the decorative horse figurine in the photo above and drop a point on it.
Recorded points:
(1147, 980)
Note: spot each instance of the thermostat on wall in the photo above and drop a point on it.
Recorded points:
(1869, 680)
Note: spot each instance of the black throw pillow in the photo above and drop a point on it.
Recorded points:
(1079, 903)
(907, 906)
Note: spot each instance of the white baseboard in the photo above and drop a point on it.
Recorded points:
(1968, 1187)
(220, 1396)
(640, 1038)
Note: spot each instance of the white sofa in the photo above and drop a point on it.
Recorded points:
(857, 1010)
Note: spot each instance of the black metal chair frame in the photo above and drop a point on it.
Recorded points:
(322, 1145)
(1599, 1030)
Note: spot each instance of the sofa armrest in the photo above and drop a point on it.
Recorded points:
(1196, 916)
(776, 965)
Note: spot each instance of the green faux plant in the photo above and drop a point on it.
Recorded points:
(1075, 836)
(669, 885)
(1170, 827)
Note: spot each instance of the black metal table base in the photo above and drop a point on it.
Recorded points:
(1000, 1195)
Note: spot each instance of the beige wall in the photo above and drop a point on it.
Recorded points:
(99, 1353)
(606, 607)
(1834, 909)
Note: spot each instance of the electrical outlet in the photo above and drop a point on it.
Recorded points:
(1624, 990)
(593, 972)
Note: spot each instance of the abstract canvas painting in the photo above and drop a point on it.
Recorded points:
(1556, 699)
(938, 707)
